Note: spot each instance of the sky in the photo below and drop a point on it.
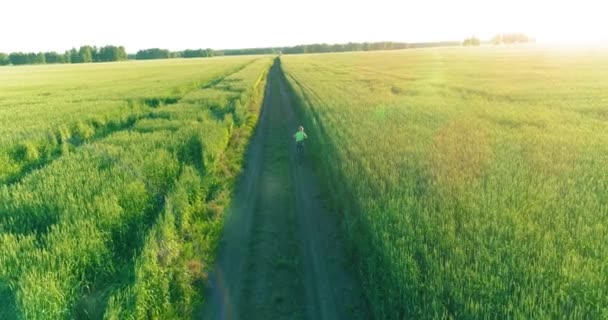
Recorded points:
(58, 25)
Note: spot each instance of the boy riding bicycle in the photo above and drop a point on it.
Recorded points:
(300, 136)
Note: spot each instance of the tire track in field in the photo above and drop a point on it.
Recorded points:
(115, 127)
(462, 91)
(74, 146)
(281, 256)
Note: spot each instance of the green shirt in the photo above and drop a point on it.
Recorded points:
(300, 136)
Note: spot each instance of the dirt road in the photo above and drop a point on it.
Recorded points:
(281, 255)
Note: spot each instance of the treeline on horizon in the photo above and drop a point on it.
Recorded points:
(157, 53)
(117, 53)
(512, 38)
(87, 54)
(84, 54)
(499, 39)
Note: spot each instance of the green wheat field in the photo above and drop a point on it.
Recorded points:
(473, 182)
(114, 177)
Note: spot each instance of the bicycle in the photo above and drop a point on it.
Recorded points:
(299, 152)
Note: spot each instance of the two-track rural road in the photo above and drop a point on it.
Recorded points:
(281, 254)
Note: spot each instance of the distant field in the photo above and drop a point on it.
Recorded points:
(473, 182)
(113, 179)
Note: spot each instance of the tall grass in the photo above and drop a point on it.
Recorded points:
(473, 182)
(123, 225)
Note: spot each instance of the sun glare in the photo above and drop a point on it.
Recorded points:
(238, 23)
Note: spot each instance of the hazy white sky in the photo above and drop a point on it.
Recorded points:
(41, 25)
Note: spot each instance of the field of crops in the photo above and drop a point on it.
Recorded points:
(113, 179)
(473, 182)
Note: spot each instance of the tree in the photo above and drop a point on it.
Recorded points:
(18, 58)
(66, 56)
(199, 53)
(4, 61)
(36, 58)
(472, 41)
(122, 54)
(154, 53)
(54, 57)
(111, 53)
(86, 54)
(74, 56)
(511, 38)
(95, 54)
(191, 53)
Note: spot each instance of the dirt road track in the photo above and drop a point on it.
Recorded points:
(281, 254)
